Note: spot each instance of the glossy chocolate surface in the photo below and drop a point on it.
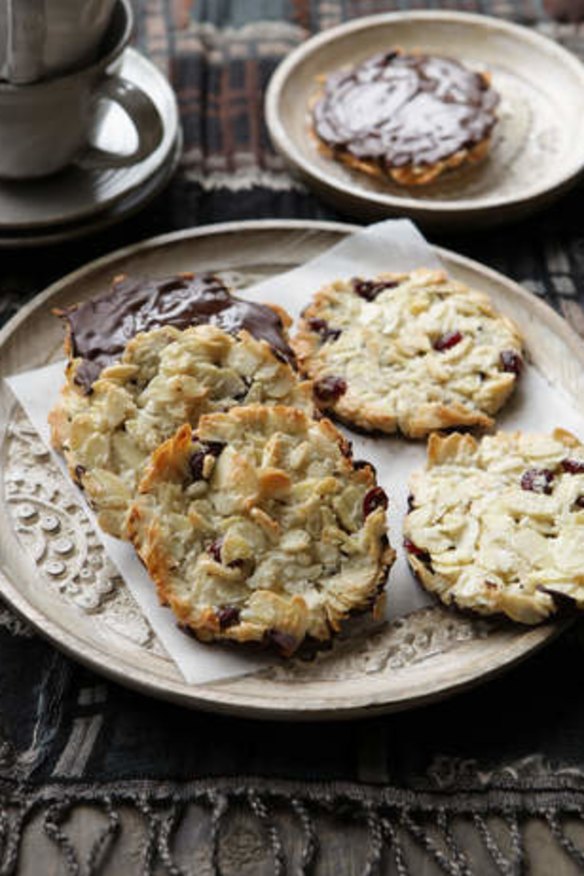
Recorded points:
(400, 109)
(101, 328)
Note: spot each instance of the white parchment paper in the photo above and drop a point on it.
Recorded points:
(393, 245)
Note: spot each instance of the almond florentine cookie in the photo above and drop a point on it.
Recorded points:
(99, 329)
(258, 528)
(405, 116)
(165, 377)
(497, 526)
(408, 352)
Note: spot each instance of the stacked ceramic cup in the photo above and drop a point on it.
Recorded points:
(84, 121)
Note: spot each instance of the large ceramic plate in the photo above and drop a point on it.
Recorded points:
(53, 570)
(538, 145)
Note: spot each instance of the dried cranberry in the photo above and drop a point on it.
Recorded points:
(447, 341)
(375, 498)
(318, 325)
(284, 642)
(228, 615)
(416, 551)
(511, 361)
(538, 480)
(79, 472)
(196, 463)
(322, 328)
(362, 463)
(370, 289)
(215, 549)
(237, 564)
(573, 466)
(330, 388)
(197, 460)
(579, 503)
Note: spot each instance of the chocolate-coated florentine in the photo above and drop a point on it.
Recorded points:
(100, 329)
(402, 109)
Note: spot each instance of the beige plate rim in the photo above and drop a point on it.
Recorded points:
(220, 697)
(285, 145)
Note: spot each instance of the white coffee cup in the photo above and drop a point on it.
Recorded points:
(44, 38)
(48, 125)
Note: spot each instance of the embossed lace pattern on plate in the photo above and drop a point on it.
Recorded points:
(400, 644)
(56, 533)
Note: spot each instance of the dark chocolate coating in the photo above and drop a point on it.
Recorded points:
(100, 329)
(399, 109)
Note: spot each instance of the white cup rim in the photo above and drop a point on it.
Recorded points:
(102, 63)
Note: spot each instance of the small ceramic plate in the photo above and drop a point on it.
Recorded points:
(77, 193)
(538, 145)
(54, 571)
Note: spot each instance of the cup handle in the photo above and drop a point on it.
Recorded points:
(144, 116)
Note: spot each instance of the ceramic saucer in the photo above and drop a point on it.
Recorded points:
(122, 209)
(538, 144)
(78, 194)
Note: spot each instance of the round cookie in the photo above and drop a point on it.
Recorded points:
(407, 117)
(259, 528)
(497, 526)
(408, 352)
(165, 377)
(98, 330)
